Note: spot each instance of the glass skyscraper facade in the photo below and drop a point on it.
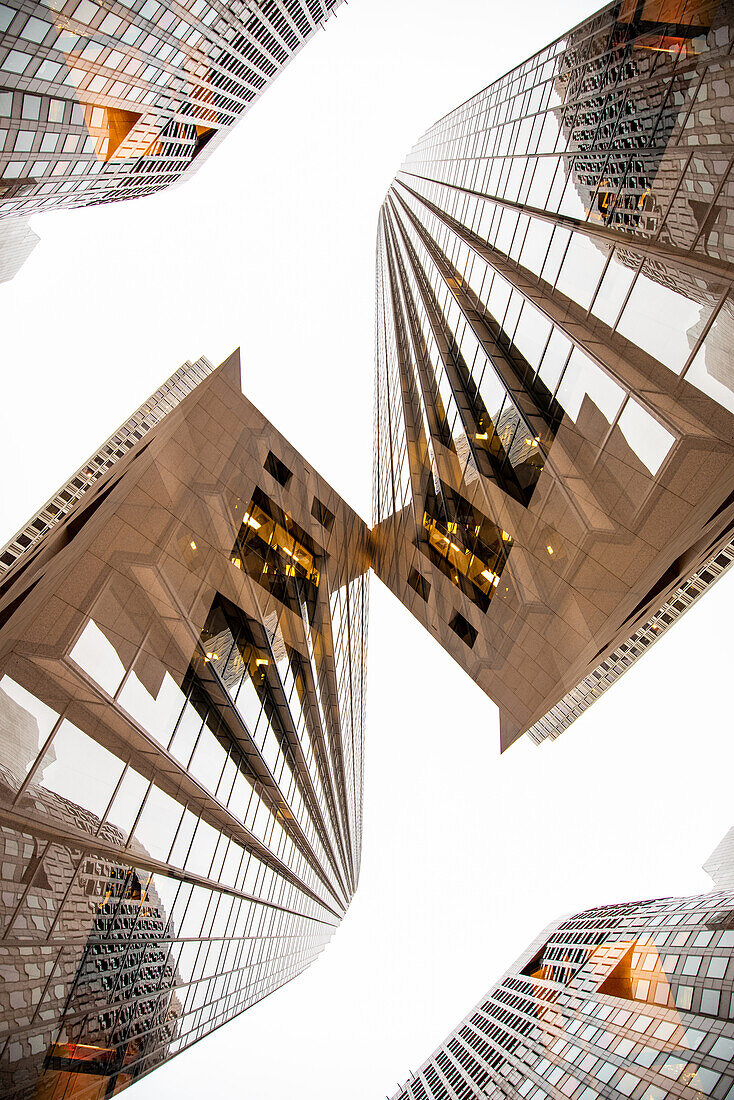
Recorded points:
(182, 674)
(183, 624)
(554, 393)
(106, 102)
(633, 1000)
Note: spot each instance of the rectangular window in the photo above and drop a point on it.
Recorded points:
(277, 469)
(321, 513)
(464, 629)
(419, 584)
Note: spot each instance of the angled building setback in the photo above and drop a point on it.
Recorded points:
(182, 691)
(633, 1000)
(554, 396)
(102, 103)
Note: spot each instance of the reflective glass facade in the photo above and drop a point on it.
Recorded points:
(182, 675)
(100, 103)
(632, 1000)
(554, 390)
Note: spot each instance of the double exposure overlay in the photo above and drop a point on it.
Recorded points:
(633, 1000)
(183, 624)
(182, 674)
(553, 471)
(109, 101)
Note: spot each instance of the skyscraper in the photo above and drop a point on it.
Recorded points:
(101, 103)
(633, 1000)
(554, 391)
(182, 663)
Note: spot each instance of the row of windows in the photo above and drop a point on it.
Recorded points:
(99, 69)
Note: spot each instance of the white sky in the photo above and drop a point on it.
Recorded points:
(467, 855)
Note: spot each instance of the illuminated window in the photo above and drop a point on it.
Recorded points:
(278, 554)
(469, 549)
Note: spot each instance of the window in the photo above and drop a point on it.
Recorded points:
(278, 554)
(31, 106)
(717, 966)
(464, 629)
(710, 999)
(723, 1048)
(16, 62)
(419, 584)
(277, 469)
(321, 513)
(35, 30)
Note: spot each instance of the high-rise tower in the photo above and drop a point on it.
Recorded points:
(554, 459)
(182, 664)
(101, 102)
(632, 1000)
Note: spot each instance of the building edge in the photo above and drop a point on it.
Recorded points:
(578, 700)
(165, 399)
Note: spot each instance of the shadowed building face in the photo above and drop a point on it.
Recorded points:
(182, 662)
(554, 459)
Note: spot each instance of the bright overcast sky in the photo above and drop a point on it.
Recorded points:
(466, 855)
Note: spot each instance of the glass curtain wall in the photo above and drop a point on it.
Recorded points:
(554, 273)
(181, 739)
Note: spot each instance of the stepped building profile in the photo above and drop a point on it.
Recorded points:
(554, 428)
(182, 672)
(633, 1000)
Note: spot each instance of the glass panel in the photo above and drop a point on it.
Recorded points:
(158, 822)
(25, 723)
(647, 437)
(583, 378)
(127, 801)
(646, 322)
(156, 715)
(712, 369)
(208, 760)
(613, 291)
(581, 270)
(98, 657)
(79, 769)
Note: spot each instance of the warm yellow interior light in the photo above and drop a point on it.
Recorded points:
(549, 548)
(262, 661)
(192, 544)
